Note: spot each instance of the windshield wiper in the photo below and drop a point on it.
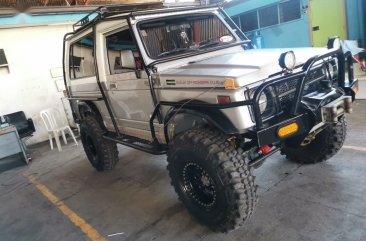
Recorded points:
(209, 44)
(175, 51)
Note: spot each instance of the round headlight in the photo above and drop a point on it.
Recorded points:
(266, 102)
(337, 43)
(287, 60)
(331, 70)
(334, 43)
(263, 102)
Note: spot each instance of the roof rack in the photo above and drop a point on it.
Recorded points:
(85, 20)
(114, 9)
(173, 9)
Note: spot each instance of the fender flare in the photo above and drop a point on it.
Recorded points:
(213, 117)
(91, 108)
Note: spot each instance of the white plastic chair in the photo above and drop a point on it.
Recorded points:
(55, 125)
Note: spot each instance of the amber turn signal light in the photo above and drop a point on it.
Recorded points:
(229, 84)
(288, 130)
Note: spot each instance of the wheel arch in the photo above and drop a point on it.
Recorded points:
(87, 108)
(187, 118)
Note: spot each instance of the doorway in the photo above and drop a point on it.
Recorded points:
(327, 20)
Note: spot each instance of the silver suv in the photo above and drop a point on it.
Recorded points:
(186, 82)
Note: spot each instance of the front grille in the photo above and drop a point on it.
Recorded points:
(283, 93)
(286, 90)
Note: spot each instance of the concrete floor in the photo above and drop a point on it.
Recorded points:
(325, 201)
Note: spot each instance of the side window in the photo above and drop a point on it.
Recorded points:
(249, 21)
(282, 12)
(82, 58)
(290, 10)
(122, 53)
(268, 16)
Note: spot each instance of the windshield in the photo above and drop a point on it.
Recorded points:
(184, 34)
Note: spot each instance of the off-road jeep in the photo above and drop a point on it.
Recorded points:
(186, 83)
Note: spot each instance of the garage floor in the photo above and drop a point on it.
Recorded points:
(60, 197)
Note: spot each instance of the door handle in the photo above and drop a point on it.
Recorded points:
(316, 28)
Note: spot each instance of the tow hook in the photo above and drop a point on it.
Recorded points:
(311, 137)
(308, 139)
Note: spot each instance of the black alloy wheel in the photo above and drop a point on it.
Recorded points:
(197, 183)
(102, 153)
(212, 178)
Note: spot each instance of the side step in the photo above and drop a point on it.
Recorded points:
(139, 144)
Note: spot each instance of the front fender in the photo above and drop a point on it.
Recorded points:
(188, 118)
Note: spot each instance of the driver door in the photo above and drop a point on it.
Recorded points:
(127, 85)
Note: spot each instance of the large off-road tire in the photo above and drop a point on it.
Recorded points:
(212, 179)
(102, 153)
(326, 144)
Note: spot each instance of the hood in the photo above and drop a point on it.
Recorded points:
(245, 67)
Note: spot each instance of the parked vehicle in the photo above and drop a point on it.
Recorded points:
(182, 82)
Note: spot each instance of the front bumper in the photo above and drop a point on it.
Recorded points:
(329, 114)
(269, 135)
(310, 111)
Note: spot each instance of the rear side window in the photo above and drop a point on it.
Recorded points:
(82, 58)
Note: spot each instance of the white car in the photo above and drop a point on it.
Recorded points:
(186, 83)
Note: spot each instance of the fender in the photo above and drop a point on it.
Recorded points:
(197, 117)
(86, 108)
(82, 109)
